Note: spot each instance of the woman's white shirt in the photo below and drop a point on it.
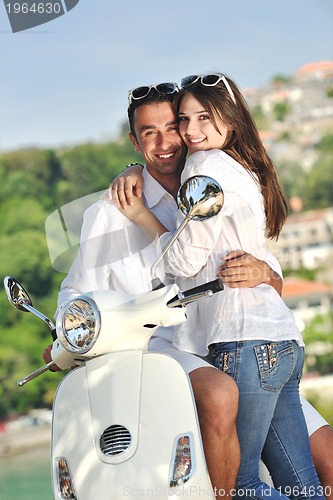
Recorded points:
(233, 314)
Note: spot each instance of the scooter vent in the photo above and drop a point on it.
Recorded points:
(115, 440)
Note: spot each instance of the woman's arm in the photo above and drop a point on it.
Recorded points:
(144, 218)
(125, 186)
(240, 223)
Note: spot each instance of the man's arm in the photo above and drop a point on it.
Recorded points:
(91, 267)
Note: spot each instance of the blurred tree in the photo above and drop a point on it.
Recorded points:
(319, 331)
(260, 118)
(25, 256)
(281, 79)
(92, 167)
(293, 179)
(329, 90)
(30, 172)
(21, 353)
(280, 110)
(20, 214)
(325, 144)
(319, 187)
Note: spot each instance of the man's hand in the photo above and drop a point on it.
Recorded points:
(124, 187)
(243, 270)
(47, 358)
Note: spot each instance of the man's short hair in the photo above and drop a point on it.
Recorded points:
(154, 97)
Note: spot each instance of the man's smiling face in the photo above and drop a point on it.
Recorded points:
(158, 139)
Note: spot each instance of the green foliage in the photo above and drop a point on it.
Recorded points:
(319, 333)
(285, 136)
(303, 272)
(319, 189)
(292, 178)
(25, 255)
(323, 405)
(281, 109)
(31, 172)
(326, 143)
(260, 118)
(21, 214)
(320, 329)
(92, 167)
(329, 90)
(281, 79)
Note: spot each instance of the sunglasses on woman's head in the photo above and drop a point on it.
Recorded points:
(142, 92)
(209, 80)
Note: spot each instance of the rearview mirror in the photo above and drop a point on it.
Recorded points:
(16, 294)
(199, 198)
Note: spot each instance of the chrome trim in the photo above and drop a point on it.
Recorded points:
(115, 440)
(59, 475)
(182, 480)
(60, 325)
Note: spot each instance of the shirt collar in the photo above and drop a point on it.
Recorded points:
(153, 190)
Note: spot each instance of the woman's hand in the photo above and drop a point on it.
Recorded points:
(125, 186)
(136, 211)
(242, 270)
(144, 218)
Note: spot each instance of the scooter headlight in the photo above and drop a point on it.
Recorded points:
(78, 325)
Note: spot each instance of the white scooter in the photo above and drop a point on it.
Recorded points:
(124, 421)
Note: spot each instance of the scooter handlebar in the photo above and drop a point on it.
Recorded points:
(207, 289)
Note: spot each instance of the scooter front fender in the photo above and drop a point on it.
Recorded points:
(145, 396)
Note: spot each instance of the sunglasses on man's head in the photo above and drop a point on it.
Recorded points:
(209, 80)
(142, 92)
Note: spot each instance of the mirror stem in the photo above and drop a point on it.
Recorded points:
(166, 248)
(39, 315)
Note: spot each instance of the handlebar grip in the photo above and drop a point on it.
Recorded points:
(196, 293)
(214, 286)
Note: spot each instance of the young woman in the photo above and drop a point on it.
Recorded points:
(250, 333)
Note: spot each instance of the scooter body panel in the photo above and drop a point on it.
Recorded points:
(148, 394)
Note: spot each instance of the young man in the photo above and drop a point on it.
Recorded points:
(114, 255)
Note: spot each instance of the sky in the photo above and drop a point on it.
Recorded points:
(65, 82)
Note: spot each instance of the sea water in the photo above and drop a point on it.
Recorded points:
(26, 476)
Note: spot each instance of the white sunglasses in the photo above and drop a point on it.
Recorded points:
(209, 80)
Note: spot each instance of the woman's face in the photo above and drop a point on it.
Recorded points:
(196, 128)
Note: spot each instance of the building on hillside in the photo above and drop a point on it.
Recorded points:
(322, 70)
(306, 240)
(309, 96)
(313, 102)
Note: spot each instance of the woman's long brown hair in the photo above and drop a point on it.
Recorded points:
(243, 144)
